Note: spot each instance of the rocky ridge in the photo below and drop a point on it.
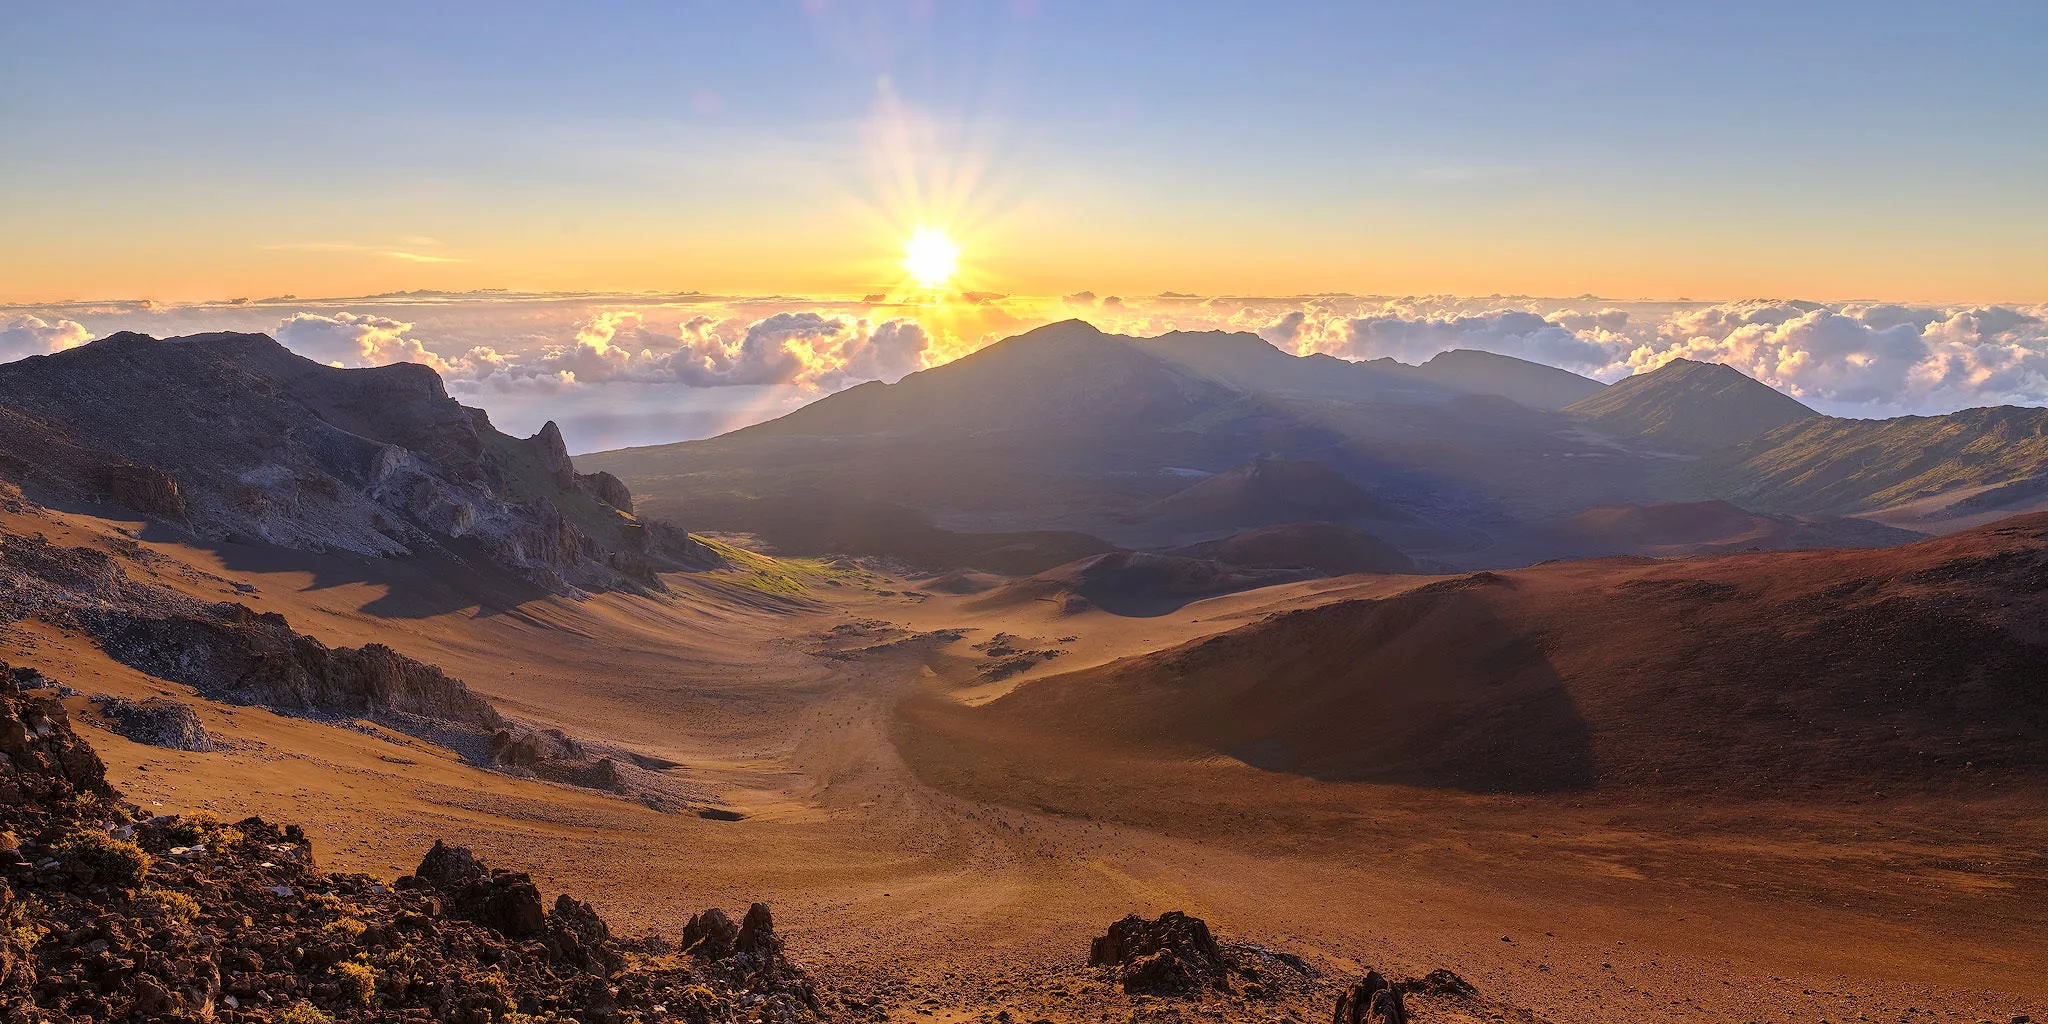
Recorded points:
(230, 437)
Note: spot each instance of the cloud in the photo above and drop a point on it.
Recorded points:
(807, 349)
(1515, 333)
(1882, 360)
(26, 335)
(756, 355)
(356, 339)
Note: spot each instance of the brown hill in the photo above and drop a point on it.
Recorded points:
(232, 436)
(1136, 583)
(1911, 668)
(1333, 549)
(1689, 406)
(1703, 527)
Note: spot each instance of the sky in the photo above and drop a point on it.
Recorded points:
(211, 150)
(659, 220)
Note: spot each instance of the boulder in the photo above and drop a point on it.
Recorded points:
(504, 901)
(159, 723)
(710, 935)
(1172, 954)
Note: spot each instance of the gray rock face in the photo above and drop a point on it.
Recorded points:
(231, 436)
(158, 722)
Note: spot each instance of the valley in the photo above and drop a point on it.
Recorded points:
(883, 804)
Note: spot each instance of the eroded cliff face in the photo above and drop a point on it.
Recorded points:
(232, 437)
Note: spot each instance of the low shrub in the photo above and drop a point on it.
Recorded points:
(113, 861)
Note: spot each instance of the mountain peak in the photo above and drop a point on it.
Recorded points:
(1691, 406)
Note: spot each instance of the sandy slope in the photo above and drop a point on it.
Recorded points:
(948, 871)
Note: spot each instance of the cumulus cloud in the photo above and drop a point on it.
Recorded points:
(356, 339)
(1882, 360)
(1508, 332)
(26, 335)
(757, 355)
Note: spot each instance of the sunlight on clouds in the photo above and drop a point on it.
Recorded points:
(705, 363)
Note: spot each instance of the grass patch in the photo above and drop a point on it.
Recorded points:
(785, 577)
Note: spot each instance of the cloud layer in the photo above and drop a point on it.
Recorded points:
(634, 369)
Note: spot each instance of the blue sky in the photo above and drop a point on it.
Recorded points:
(1846, 150)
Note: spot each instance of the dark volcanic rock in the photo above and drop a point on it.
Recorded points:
(145, 489)
(229, 652)
(45, 760)
(233, 436)
(1173, 954)
(711, 935)
(249, 930)
(158, 722)
(504, 901)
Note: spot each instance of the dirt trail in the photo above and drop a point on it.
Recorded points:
(891, 847)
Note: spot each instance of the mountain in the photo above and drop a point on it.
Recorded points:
(1066, 377)
(1248, 362)
(1688, 406)
(231, 436)
(1484, 373)
(1909, 669)
(1333, 549)
(1934, 473)
(1063, 428)
(1702, 527)
(1266, 492)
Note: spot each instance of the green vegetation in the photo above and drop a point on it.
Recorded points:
(302, 1013)
(348, 928)
(787, 577)
(204, 828)
(114, 861)
(177, 906)
(358, 981)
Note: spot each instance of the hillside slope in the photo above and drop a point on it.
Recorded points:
(1689, 406)
(1913, 668)
(1485, 373)
(1958, 465)
(232, 436)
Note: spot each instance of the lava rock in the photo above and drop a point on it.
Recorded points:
(1172, 954)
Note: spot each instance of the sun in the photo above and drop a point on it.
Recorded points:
(930, 257)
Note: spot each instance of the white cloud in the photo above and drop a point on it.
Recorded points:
(356, 339)
(26, 335)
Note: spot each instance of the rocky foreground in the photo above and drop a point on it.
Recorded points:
(111, 913)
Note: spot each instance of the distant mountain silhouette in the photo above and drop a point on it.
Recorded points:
(1063, 378)
(1485, 373)
(1065, 441)
(1688, 406)
(1248, 362)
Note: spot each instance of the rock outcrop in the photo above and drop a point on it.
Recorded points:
(1173, 953)
(232, 437)
(157, 722)
(230, 653)
(113, 914)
